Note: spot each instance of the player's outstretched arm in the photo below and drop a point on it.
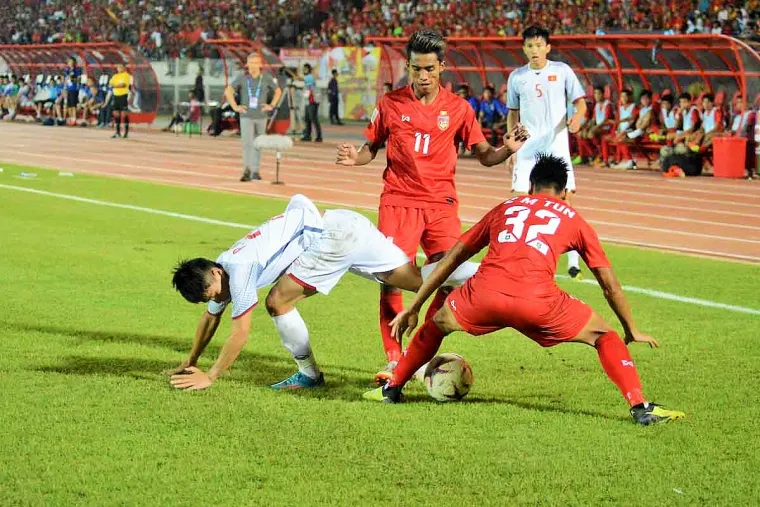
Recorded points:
(513, 141)
(407, 319)
(193, 379)
(615, 296)
(349, 155)
(203, 335)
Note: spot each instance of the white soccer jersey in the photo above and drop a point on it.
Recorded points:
(542, 96)
(259, 258)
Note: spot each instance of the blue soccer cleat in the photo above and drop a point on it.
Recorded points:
(300, 381)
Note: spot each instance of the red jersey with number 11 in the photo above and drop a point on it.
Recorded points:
(421, 146)
(526, 236)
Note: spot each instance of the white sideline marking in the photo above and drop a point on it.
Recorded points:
(649, 292)
(129, 207)
(675, 297)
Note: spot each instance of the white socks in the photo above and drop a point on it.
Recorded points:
(295, 337)
(458, 277)
(573, 259)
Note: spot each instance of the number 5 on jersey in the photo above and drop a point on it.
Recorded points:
(421, 141)
(517, 217)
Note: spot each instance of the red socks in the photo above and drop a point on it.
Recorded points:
(391, 304)
(619, 367)
(623, 153)
(421, 349)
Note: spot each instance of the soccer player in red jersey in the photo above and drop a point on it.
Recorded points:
(422, 124)
(514, 287)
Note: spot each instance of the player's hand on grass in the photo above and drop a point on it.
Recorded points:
(191, 379)
(515, 138)
(404, 321)
(240, 109)
(347, 154)
(638, 337)
(574, 124)
(179, 369)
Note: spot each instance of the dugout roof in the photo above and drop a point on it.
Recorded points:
(234, 53)
(95, 59)
(677, 63)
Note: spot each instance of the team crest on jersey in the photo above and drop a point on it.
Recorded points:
(552, 77)
(443, 120)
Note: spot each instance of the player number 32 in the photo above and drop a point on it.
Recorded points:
(517, 215)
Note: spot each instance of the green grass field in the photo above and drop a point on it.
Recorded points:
(89, 320)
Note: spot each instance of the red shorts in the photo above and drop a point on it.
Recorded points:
(547, 320)
(437, 230)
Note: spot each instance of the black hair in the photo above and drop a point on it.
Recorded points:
(334, 72)
(709, 96)
(685, 95)
(424, 42)
(667, 98)
(190, 278)
(535, 31)
(645, 93)
(307, 66)
(599, 89)
(627, 91)
(549, 172)
(388, 85)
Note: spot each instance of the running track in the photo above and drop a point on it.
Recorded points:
(703, 216)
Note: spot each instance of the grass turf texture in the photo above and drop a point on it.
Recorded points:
(89, 321)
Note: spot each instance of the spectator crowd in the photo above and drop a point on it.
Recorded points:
(172, 28)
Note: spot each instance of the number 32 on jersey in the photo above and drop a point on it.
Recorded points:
(517, 215)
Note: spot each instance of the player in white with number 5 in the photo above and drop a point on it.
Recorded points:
(537, 97)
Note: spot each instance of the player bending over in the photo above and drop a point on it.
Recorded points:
(514, 287)
(315, 251)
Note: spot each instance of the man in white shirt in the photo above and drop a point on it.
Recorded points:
(537, 97)
(314, 251)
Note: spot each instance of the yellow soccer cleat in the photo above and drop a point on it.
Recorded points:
(384, 394)
(651, 413)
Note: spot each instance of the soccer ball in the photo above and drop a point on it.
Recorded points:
(448, 377)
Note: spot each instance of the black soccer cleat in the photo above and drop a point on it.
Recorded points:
(575, 273)
(384, 394)
(647, 414)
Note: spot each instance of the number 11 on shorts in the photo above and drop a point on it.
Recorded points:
(421, 140)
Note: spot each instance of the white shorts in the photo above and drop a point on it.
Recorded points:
(525, 159)
(349, 241)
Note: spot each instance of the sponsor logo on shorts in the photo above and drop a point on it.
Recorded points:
(627, 363)
(405, 119)
(453, 304)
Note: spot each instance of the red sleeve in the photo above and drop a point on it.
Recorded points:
(479, 236)
(470, 132)
(608, 112)
(718, 120)
(377, 130)
(694, 117)
(589, 246)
